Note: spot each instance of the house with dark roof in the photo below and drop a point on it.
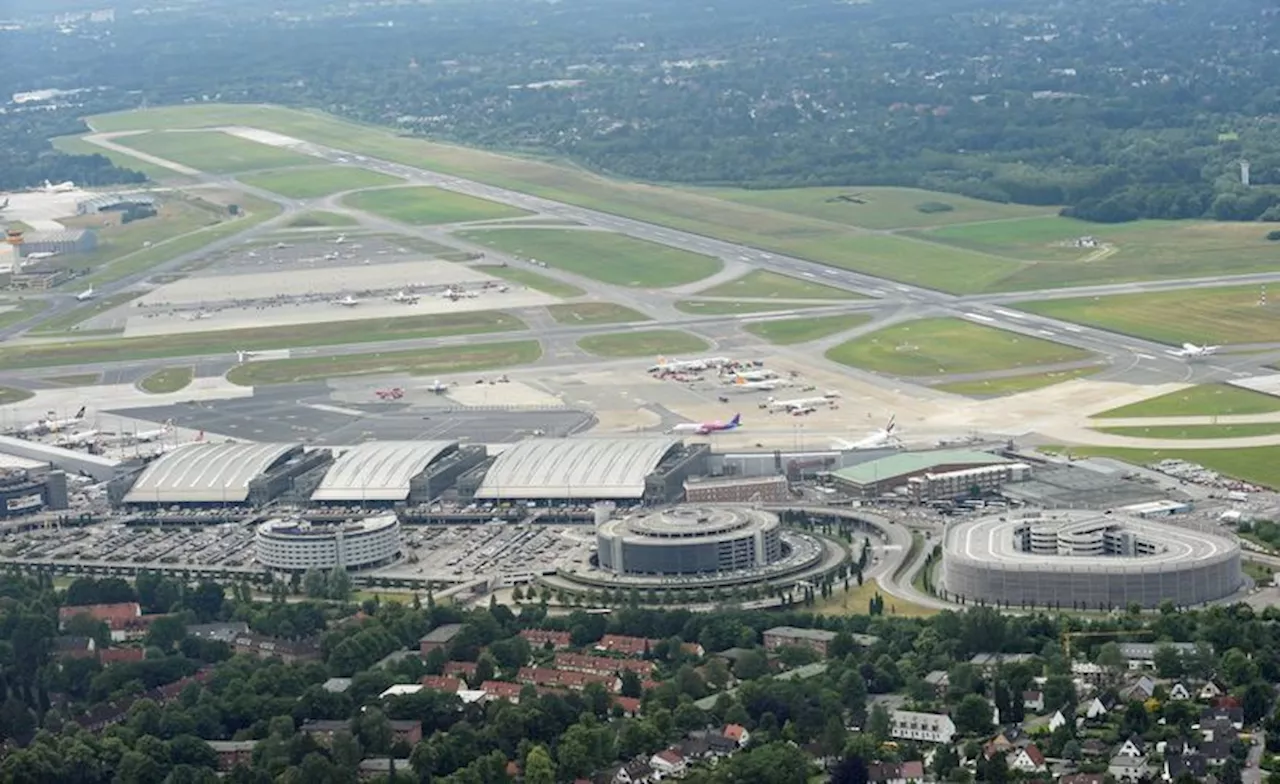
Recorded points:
(1234, 716)
(1176, 765)
(288, 651)
(438, 637)
(71, 647)
(233, 752)
(668, 763)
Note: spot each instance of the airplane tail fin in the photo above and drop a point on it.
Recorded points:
(80, 413)
(893, 422)
(737, 420)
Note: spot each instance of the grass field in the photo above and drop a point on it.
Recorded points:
(648, 343)
(763, 284)
(320, 218)
(878, 207)
(947, 345)
(214, 152)
(603, 256)
(1219, 315)
(425, 206)
(1197, 431)
(315, 181)
(20, 310)
(1260, 465)
(785, 332)
(72, 318)
(532, 280)
(1201, 400)
(1012, 385)
(257, 339)
(722, 307)
(170, 379)
(75, 379)
(175, 218)
(856, 601)
(76, 145)
(448, 359)
(594, 313)
(13, 395)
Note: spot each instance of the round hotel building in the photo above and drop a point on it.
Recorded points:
(297, 545)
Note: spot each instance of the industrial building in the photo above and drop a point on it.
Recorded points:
(689, 540)
(229, 473)
(299, 545)
(59, 242)
(105, 202)
(652, 470)
(396, 472)
(738, 490)
(1085, 559)
(1081, 484)
(935, 472)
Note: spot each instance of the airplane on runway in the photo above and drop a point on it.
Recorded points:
(438, 387)
(341, 238)
(243, 356)
(62, 187)
(347, 301)
(404, 298)
(885, 437)
(1192, 351)
(800, 403)
(743, 385)
(76, 439)
(85, 295)
(707, 428)
(5, 206)
(394, 393)
(457, 294)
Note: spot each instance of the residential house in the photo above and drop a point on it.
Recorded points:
(336, 685)
(1133, 747)
(1088, 672)
(1234, 716)
(940, 681)
(1179, 692)
(1215, 752)
(694, 749)
(736, 733)
(124, 619)
(438, 637)
(990, 662)
(233, 752)
(896, 772)
(602, 665)
(459, 669)
(630, 705)
(547, 676)
(1095, 747)
(1033, 701)
(816, 640)
(288, 651)
(1142, 655)
(633, 772)
(668, 763)
(927, 727)
(1141, 690)
(1095, 710)
(625, 645)
(1083, 778)
(1209, 692)
(1176, 765)
(116, 655)
(444, 683)
(540, 638)
(502, 690)
(1028, 759)
(70, 647)
(1123, 767)
(720, 745)
(406, 730)
(221, 632)
(1057, 720)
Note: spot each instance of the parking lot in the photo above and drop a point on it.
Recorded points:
(508, 553)
(229, 544)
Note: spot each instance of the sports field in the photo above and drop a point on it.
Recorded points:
(594, 313)
(434, 361)
(319, 218)
(532, 280)
(785, 332)
(763, 284)
(1197, 431)
(426, 206)
(1260, 465)
(1012, 385)
(645, 343)
(929, 347)
(1201, 400)
(609, 258)
(1201, 316)
(214, 152)
(170, 379)
(82, 352)
(725, 307)
(315, 181)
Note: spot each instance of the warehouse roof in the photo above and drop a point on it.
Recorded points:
(198, 473)
(378, 470)
(575, 468)
(914, 462)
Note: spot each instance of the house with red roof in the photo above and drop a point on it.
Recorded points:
(1028, 759)
(548, 676)
(539, 638)
(443, 683)
(602, 665)
(460, 669)
(502, 690)
(667, 763)
(630, 705)
(737, 733)
(124, 619)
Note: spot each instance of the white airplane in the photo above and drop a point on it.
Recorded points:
(40, 254)
(707, 428)
(404, 297)
(147, 436)
(677, 365)
(62, 187)
(438, 387)
(51, 424)
(76, 439)
(347, 301)
(743, 385)
(5, 206)
(754, 375)
(884, 437)
(1192, 351)
(340, 239)
(801, 402)
(85, 295)
(243, 356)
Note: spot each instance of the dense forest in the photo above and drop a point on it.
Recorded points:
(1117, 109)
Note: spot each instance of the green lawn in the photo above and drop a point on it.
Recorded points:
(1259, 465)
(320, 218)
(20, 310)
(720, 307)
(646, 343)
(425, 206)
(316, 181)
(1202, 400)
(76, 145)
(257, 339)
(214, 152)
(76, 379)
(434, 361)
(176, 217)
(170, 379)
(763, 284)
(532, 280)
(594, 313)
(13, 395)
(76, 316)
(930, 347)
(609, 258)
(1197, 431)
(1218, 315)
(1012, 385)
(856, 599)
(785, 332)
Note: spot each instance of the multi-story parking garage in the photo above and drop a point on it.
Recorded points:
(298, 545)
(689, 540)
(1085, 559)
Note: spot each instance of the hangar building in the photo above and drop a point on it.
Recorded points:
(396, 472)
(231, 473)
(652, 470)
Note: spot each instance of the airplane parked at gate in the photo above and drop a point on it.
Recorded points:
(742, 384)
(1192, 351)
(147, 436)
(404, 298)
(885, 437)
(52, 425)
(707, 428)
(800, 403)
(76, 439)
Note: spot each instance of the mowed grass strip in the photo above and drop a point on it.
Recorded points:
(14, 395)
(257, 339)
(166, 380)
(315, 181)
(929, 347)
(721, 307)
(1218, 315)
(648, 343)
(532, 280)
(856, 599)
(427, 206)
(77, 145)
(609, 258)
(785, 332)
(213, 151)
(74, 317)
(319, 219)
(1259, 465)
(1200, 400)
(1012, 385)
(15, 311)
(594, 313)
(443, 360)
(763, 284)
(1197, 431)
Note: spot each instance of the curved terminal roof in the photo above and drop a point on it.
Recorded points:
(206, 473)
(378, 470)
(575, 468)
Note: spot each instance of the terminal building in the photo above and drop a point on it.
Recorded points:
(392, 472)
(223, 474)
(299, 545)
(28, 490)
(927, 476)
(738, 490)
